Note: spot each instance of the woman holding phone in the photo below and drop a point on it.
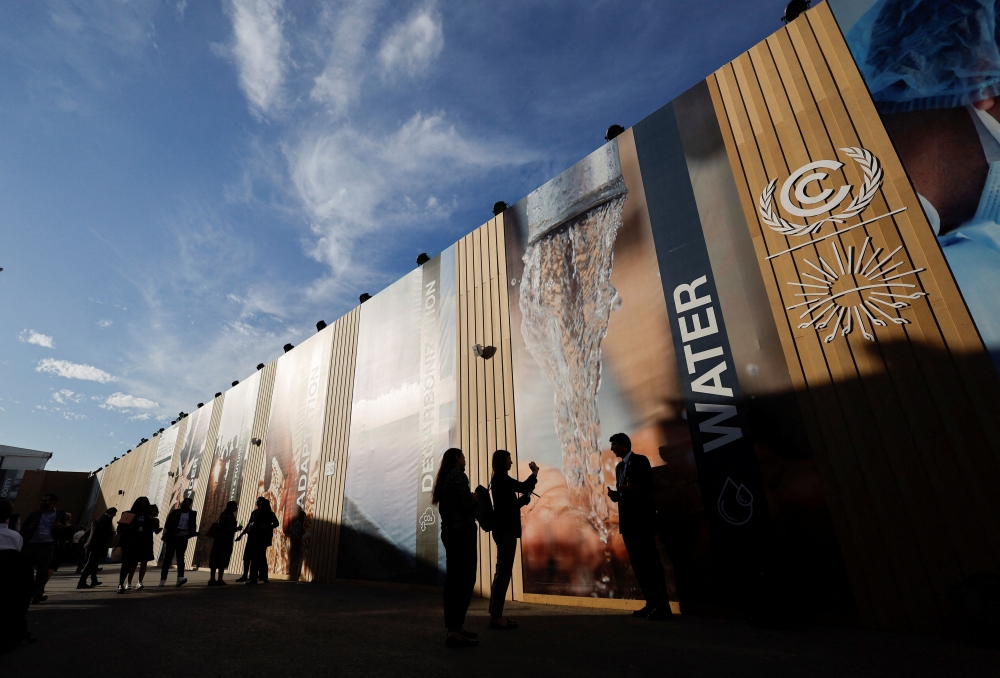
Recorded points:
(509, 495)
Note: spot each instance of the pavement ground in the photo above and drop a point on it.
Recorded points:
(284, 629)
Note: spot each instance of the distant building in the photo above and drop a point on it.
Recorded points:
(14, 461)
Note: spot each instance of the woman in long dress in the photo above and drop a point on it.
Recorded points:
(222, 544)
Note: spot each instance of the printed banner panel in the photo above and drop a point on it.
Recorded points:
(160, 473)
(292, 450)
(231, 448)
(625, 272)
(402, 420)
(189, 460)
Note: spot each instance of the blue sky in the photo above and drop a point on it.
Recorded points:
(187, 186)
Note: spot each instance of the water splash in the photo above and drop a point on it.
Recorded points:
(566, 302)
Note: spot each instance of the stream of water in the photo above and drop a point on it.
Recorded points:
(566, 302)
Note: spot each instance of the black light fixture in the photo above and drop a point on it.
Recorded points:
(498, 207)
(613, 131)
(156, 434)
(364, 297)
(484, 352)
(120, 491)
(201, 405)
(236, 382)
(181, 415)
(422, 258)
(321, 325)
(173, 422)
(126, 452)
(287, 347)
(160, 431)
(794, 9)
(218, 394)
(260, 366)
(255, 441)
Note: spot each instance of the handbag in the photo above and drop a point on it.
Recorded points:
(484, 512)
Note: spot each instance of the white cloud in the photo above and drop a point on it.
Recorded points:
(412, 45)
(179, 9)
(65, 395)
(258, 49)
(64, 368)
(36, 338)
(345, 29)
(123, 401)
(139, 417)
(105, 323)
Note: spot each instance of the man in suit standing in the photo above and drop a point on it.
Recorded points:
(637, 524)
(182, 524)
(101, 533)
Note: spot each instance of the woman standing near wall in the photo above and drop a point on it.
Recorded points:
(509, 495)
(222, 535)
(457, 504)
(136, 540)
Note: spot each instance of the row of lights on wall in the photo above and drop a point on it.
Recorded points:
(484, 352)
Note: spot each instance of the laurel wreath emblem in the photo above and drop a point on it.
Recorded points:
(873, 180)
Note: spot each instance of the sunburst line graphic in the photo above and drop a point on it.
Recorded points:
(827, 306)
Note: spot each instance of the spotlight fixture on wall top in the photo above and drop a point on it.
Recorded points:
(321, 325)
(126, 452)
(218, 394)
(256, 441)
(613, 131)
(173, 422)
(156, 434)
(181, 415)
(236, 382)
(484, 352)
(422, 258)
(160, 431)
(287, 347)
(201, 405)
(498, 207)
(260, 366)
(364, 297)
(143, 441)
(794, 9)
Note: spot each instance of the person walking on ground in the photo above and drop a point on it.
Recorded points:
(16, 585)
(182, 524)
(136, 541)
(79, 552)
(261, 529)
(509, 495)
(96, 546)
(637, 524)
(223, 531)
(147, 555)
(40, 532)
(457, 504)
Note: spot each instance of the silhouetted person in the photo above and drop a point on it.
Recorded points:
(509, 495)
(458, 505)
(101, 533)
(637, 524)
(136, 541)
(223, 532)
(16, 584)
(182, 524)
(40, 531)
(261, 530)
(147, 555)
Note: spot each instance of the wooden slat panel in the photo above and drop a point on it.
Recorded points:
(904, 428)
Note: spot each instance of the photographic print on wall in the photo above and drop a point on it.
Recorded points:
(292, 450)
(231, 446)
(402, 420)
(189, 460)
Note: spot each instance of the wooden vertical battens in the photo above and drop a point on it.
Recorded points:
(906, 434)
(337, 427)
(205, 469)
(485, 394)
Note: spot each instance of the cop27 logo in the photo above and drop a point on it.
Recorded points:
(852, 288)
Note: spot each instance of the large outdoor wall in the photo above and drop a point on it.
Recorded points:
(807, 380)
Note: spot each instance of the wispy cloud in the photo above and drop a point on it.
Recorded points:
(258, 49)
(37, 338)
(123, 401)
(105, 323)
(139, 417)
(412, 45)
(65, 395)
(64, 368)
